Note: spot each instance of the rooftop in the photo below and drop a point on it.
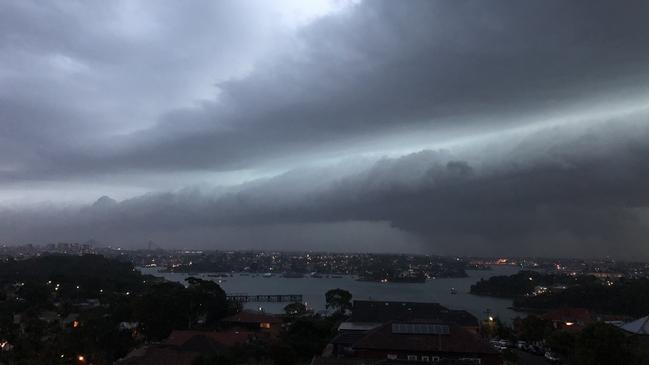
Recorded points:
(251, 317)
(449, 338)
(570, 315)
(385, 311)
(218, 339)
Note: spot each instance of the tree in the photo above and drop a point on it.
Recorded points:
(161, 309)
(493, 327)
(308, 336)
(534, 328)
(562, 342)
(295, 309)
(338, 299)
(602, 344)
(206, 298)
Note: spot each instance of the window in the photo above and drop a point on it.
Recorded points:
(435, 358)
(264, 325)
(392, 357)
(412, 357)
(425, 358)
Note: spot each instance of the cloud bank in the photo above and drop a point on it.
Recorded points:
(449, 127)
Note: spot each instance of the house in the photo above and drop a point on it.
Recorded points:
(208, 341)
(254, 321)
(158, 355)
(569, 318)
(368, 314)
(184, 347)
(424, 341)
(71, 320)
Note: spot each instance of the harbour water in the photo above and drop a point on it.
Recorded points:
(313, 290)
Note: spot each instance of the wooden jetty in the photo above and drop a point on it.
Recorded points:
(274, 298)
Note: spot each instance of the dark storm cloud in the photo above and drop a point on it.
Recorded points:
(379, 68)
(558, 198)
(135, 92)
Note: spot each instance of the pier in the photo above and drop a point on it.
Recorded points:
(274, 298)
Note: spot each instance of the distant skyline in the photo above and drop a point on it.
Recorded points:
(479, 128)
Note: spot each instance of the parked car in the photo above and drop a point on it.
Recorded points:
(522, 345)
(552, 357)
(506, 343)
(535, 350)
(501, 348)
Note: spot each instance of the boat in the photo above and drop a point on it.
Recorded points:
(268, 275)
(453, 291)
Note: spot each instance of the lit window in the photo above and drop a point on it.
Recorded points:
(412, 357)
(264, 325)
(425, 358)
(392, 357)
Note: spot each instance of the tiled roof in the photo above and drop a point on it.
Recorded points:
(252, 317)
(183, 347)
(221, 338)
(347, 338)
(159, 355)
(384, 311)
(458, 340)
(569, 315)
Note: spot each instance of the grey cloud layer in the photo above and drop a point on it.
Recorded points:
(141, 91)
(379, 68)
(549, 200)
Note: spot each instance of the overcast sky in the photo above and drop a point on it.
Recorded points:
(446, 127)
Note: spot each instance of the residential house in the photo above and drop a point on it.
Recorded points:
(569, 318)
(254, 321)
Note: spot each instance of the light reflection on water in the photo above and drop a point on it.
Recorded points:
(313, 290)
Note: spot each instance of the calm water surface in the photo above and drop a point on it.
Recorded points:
(313, 290)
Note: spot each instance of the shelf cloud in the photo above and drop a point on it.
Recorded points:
(442, 127)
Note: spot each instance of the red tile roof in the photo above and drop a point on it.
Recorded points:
(158, 355)
(222, 338)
